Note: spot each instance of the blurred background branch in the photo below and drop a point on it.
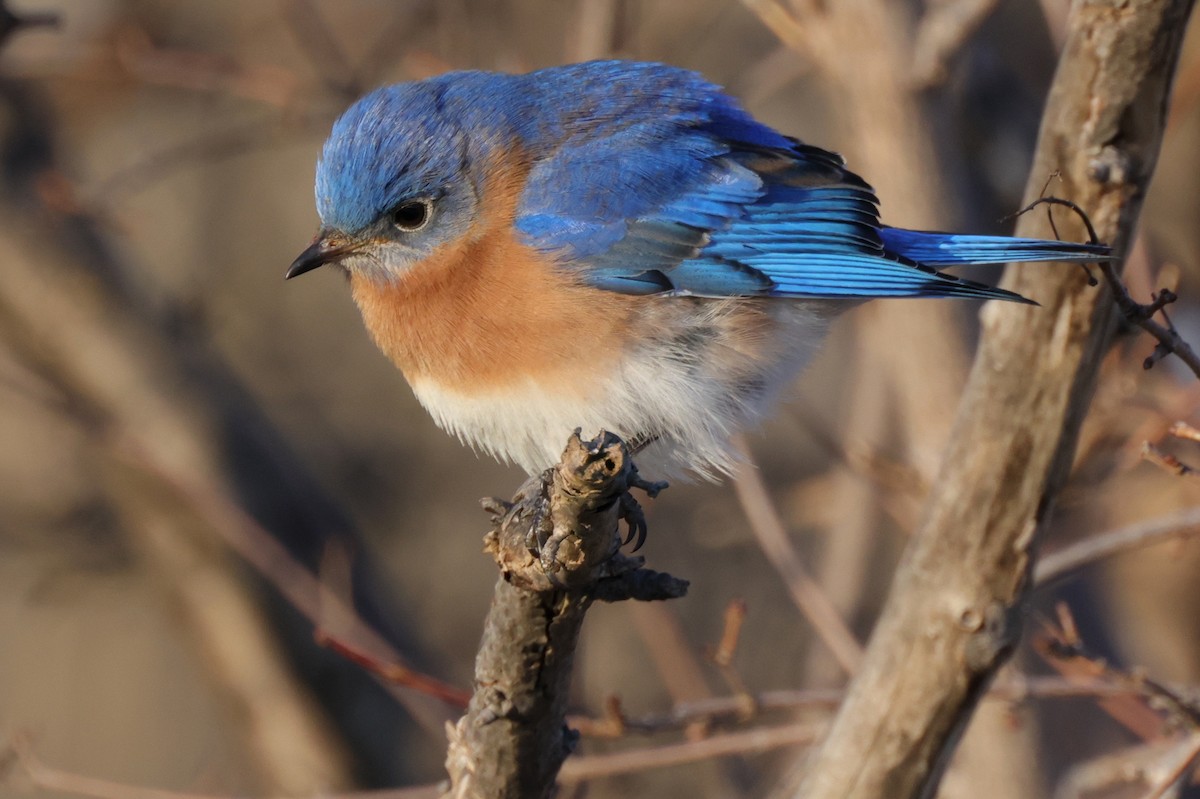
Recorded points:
(952, 616)
(175, 422)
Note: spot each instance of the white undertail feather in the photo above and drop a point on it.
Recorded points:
(691, 392)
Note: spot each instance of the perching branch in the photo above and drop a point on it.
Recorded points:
(513, 739)
(953, 615)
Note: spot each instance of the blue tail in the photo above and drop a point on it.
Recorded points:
(948, 249)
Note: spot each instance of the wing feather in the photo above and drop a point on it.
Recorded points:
(717, 205)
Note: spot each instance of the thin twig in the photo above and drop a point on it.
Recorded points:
(1059, 564)
(710, 711)
(580, 769)
(743, 742)
(768, 528)
(680, 668)
(1159, 705)
(201, 71)
(1169, 340)
(1185, 431)
(722, 655)
(615, 723)
(1107, 774)
(1166, 461)
(316, 41)
(1180, 769)
(245, 536)
(782, 24)
(942, 32)
(393, 673)
(731, 633)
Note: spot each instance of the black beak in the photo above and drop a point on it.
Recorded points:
(322, 251)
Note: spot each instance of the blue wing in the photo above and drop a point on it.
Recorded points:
(704, 201)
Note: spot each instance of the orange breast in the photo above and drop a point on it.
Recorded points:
(488, 311)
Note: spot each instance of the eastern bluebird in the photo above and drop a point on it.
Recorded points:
(609, 245)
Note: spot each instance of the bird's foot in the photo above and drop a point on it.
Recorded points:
(631, 510)
(565, 523)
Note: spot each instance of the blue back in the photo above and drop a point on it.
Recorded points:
(647, 179)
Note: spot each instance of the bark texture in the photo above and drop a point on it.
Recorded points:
(513, 739)
(954, 611)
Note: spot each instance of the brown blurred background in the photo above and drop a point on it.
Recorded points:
(157, 375)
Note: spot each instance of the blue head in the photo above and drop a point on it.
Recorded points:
(402, 170)
(404, 167)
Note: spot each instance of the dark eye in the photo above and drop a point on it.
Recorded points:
(413, 215)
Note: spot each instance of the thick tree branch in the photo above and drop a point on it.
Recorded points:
(513, 739)
(953, 614)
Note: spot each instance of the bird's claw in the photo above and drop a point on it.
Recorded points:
(544, 542)
(635, 519)
(541, 539)
(548, 555)
(535, 541)
(631, 510)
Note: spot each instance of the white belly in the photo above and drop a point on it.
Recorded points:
(690, 389)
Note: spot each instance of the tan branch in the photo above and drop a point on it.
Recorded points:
(806, 593)
(742, 708)
(742, 742)
(1147, 711)
(942, 32)
(1063, 562)
(953, 614)
(513, 739)
(1178, 768)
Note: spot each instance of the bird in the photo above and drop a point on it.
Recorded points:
(610, 245)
